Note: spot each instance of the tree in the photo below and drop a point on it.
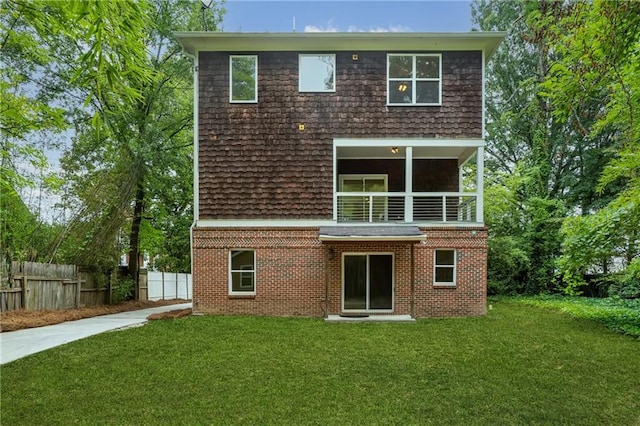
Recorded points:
(599, 45)
(131, 169)
(56, 54)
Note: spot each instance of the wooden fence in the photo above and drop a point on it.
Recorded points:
(40, 286)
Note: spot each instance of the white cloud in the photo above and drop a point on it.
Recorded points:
(330, 28)
(316, 29)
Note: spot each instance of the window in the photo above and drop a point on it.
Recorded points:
(242, 272)
(414, 79)
(365, 207)
(317, 73)
(445, 267)
(243, 81)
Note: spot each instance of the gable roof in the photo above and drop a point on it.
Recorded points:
(207, 41)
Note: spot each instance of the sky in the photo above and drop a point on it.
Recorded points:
(347, 15)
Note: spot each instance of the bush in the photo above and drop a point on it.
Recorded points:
(627, 285)
(123, 290)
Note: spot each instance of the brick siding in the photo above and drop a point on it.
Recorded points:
(294, 272)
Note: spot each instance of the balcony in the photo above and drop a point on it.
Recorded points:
(380, 207)
(429, 181)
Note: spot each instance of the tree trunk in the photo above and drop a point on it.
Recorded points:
(134, 238)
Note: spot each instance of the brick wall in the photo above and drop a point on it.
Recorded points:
(291, 278)
(255, 163)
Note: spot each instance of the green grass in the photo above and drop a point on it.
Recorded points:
(617, 314)
(518, 365)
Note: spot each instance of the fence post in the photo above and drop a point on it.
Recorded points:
(162, 285)
(79, 287)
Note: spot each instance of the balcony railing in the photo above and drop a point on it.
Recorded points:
(407, 207)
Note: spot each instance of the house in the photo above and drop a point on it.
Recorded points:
(339, 173)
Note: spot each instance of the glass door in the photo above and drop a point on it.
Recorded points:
(367, 282)
(363, 208)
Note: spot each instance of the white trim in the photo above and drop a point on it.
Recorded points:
(414, 80)
(332, 55)
(367, 301)
(379, 142)
(243, 101)
(196, 143)
(339, 41)
(480, 185)
(372, 238)
(335, 183)
(264, 223)
(484, 65)
(408, 184)
(455, 267)
(292, 223)
(242, 271)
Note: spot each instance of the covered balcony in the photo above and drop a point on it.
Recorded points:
(430, 181)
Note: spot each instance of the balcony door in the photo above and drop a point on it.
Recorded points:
(363, 208)
(367, 282)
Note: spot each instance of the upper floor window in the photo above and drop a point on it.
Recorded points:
(414, 79)
(317, 73)
(243, 81)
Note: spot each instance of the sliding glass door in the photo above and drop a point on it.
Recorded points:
(367, 282)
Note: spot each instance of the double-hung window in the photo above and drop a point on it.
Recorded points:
(243, 78)
(414, 79)
(445, 267)
(242, 272)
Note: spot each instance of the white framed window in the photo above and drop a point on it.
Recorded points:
(317, 72)
(414, 79)
(242, 272)
(366, 207)
(243, 78)
(445, 267)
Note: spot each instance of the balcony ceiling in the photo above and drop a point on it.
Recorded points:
(461, 153)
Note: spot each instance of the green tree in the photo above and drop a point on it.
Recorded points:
(131, 169)
(599, 48)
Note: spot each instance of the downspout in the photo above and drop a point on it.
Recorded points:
(326, 282)
(196, 203)
(413, 313)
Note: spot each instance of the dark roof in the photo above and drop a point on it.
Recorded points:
(371, 233)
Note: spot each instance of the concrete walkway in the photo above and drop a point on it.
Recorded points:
(20, 343)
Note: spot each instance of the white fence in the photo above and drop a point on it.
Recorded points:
(168, 285)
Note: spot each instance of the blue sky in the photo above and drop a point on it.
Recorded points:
(347, 15)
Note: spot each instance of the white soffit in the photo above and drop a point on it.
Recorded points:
(206, 41)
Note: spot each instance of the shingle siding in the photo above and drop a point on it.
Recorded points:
(254, 162)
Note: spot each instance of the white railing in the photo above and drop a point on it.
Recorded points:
(407, 207)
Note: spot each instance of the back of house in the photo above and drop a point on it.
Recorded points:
(339, 173)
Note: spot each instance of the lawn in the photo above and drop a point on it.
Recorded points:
(520, 364)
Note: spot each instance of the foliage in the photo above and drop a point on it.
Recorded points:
(617, 314)
(123, 290)
(132, 169)
(257, 370)
(562, 140)
(110, 75)
(599, 45)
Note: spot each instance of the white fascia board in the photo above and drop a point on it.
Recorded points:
(263, 223)
(373, 142)
(192, 41)
(276, 223)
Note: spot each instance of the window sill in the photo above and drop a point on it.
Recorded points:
(414, 105)
(440, 286)
(241, 296)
